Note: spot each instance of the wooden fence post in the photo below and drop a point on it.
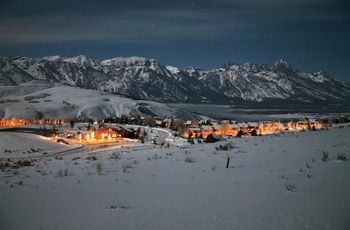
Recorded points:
(228, 162)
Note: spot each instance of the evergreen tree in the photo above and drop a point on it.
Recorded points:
(189, 137)
(72, 124)
(201, 136)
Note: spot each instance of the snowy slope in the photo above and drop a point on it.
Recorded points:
(56, 101)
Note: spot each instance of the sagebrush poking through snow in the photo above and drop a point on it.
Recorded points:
(99, 167)
(341, 157)
(189, 159)
(227, 146)
(325, 156)
(127, 165)
(63, 173)
(290, 187)
(117, 205)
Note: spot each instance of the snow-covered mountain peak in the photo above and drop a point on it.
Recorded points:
(81, 60)
(193, 68)
(53, 58)
(173, 70)
(281, 64)
(320, 76)
(128, 61)
(282, 68)
(148, 79)
(230, 65)
(251, 67)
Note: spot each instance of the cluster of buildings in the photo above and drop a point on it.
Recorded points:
(14, 122)
(27, 121)
(102, 134)
(226, 128)
(185, 129)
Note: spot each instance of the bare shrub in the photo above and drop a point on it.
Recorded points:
(229, 145)
(115, 156)
(189, 159)
(341, 157)
(156, 157)
(282, 176)
(127, 165)
(92, 158)
(60, 173)
(290, 187)
(240, 151)
(63, 173)
(99, 167)
(117, 206)
(325, 156)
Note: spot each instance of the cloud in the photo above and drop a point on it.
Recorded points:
(160, 21)
(123, 24)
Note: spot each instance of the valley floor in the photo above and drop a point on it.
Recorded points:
(273, 182)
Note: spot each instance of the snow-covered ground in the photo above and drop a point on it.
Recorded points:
(255, 115)
(181, 187)
(24, 144)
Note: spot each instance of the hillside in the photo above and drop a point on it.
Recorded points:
(44, 99)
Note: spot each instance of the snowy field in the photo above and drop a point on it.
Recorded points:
(255, 115)
(273, 182)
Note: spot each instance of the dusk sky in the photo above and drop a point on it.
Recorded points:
(311, 35)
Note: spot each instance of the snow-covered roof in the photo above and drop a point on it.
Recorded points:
(206, 127)
(302, 122)
(253, 124)
(242, 124)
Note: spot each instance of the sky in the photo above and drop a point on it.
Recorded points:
(311, 35)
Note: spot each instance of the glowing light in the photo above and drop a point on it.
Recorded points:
(261, 128)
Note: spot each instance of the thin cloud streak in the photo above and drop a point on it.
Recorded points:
(162, 25)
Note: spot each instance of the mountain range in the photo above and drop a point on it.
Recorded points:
(148, 79)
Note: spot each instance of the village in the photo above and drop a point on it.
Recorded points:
(94, 168)
(114, 129)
